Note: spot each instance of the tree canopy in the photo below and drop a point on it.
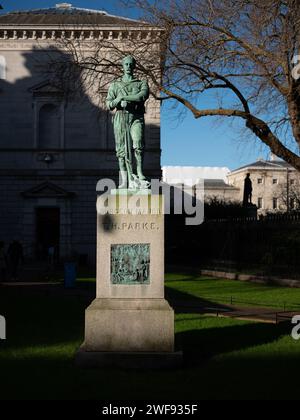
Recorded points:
(246, 51)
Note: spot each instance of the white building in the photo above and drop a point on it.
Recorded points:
(214, 180)
(275, 183)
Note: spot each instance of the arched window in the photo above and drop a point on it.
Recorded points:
(49, 126)
(2, 67)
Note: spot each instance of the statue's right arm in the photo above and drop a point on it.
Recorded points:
(112, 100)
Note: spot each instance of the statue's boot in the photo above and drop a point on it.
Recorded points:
(130, 175)
(139, 164)
(122, 174)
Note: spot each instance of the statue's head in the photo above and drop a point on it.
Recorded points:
(128, 63)
(248, 175)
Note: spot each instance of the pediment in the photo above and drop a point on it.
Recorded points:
(46, 88)
(47, 190)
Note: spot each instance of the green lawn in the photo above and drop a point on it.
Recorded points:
(224, 358)
(243, 293)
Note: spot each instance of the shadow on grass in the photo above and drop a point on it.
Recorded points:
(183, 302)
(38, 319)
(44, 331)
(46, 273)
(198, 345)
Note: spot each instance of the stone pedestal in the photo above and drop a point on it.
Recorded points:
(129, 323)
(250, 211)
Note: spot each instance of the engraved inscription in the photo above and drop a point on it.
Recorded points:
(130, 264)
(130, 226)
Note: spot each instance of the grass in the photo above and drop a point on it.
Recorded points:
(224, 358)
(243, 293)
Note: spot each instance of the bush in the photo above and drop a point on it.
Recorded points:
(214, 208)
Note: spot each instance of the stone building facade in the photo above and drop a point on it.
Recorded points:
(52, 150)
(214, 179)
(275, 185)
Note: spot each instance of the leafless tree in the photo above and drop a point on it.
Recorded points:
(238, 54)
(289, 193)
(78, 65)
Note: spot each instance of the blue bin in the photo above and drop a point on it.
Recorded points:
(69, 275)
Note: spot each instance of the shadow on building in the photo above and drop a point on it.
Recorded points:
(53, 150)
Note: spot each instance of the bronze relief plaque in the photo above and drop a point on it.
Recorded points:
(130, 264)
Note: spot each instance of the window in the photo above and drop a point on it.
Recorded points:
(275, 181)
(275, 203)
(49, 126)
(259, 180)
(2, 67)
(292, 181)
(260, 202)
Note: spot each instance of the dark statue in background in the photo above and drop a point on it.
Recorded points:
(247, 198)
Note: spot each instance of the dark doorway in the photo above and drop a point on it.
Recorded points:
(47, 233)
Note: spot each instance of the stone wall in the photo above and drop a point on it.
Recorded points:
(77, 213)
(85, 153)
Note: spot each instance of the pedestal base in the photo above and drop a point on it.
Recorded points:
(129, 325)
(128, 360)
(129, 333)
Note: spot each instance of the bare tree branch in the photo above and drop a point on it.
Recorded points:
(240, 49)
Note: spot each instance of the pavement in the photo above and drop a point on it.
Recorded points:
(257, 314)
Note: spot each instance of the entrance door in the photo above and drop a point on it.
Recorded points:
(47, 232)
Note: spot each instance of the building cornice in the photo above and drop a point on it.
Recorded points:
(82, 33)
(260, 169)
(222, 187)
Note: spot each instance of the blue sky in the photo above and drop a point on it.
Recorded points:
(185, 141)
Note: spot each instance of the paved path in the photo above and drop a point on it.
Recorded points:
(258, 314)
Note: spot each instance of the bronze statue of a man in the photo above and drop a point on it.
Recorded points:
(127, 96)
